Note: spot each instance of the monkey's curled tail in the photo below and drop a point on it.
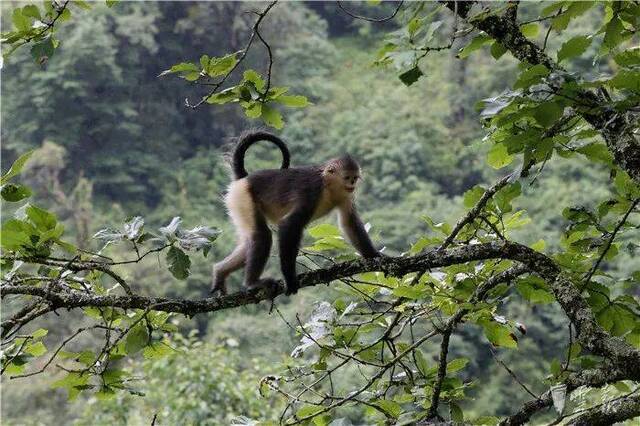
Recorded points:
(249, 138)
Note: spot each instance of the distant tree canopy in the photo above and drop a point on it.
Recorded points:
(574, 97)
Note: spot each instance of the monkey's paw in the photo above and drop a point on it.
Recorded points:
(270, 284)
(220, 289)
(292, 289)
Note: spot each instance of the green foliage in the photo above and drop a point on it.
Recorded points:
(419, 148)
(252, 92)
(197, 383)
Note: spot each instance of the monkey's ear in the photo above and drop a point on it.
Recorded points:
(331, 169)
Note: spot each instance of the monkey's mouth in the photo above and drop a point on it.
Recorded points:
(349, 188)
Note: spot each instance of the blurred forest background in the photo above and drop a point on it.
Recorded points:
(113, 141)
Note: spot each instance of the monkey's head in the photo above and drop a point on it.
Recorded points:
(341, 175)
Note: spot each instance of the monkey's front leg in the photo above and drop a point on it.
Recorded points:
(289, 237)
(353, 227)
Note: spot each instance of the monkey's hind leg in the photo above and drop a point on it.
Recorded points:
(240, 206)
(221, 270)
(258, 248)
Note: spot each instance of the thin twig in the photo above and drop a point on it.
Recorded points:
(620, 224)
(243, 54)
(366, 18)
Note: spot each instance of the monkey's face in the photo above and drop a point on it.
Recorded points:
(342, 182)
(349, 180)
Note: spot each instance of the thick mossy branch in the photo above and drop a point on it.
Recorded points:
(610, 412)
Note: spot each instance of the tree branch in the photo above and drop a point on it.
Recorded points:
(475, 211)
(590, 335)
(610, 412)
(592, 378)
(611, 124)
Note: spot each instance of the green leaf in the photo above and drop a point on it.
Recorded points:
(535, 290)
(82, 4)
(71, 380)
(137, 338)
(42, 219)
(472, 196)
(499, 334)
(625, 186)
(456, 412)
(413, 26)
(475, 44)
(113, 376)
(616, 319)
(498, 156)
(179, 263)
(486, 421)
(421, 362)
(504, 197)
(390, 407)
(156, 350)
(254, 110)
(626, 79)
(43, 50)
(293, 101)
(597, 152)
(530, 76)
(628, 58)
(221, 66)
(276, 92)
(111, 3)
(14, 235)
(255, 78)
(204, 62)
(530, 30)
(613, 33)
(14, 192)
(183, 67)
(548, 113)
(408, 292)
(105, 393)
(497, 50)
(15, 367)
(411, 76)
(16, 167)
(31, 11)
(456, 365)
(324, 230)
(422, 243)
(272, 117)
(539, 245)
(226, 96)
(20, 21)
(41, 332)
(574, 47)
(36, 349)
(308, 410)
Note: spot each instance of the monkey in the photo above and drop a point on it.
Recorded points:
(289, 197)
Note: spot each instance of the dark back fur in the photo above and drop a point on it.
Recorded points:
(282, 187)
(249, 138)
